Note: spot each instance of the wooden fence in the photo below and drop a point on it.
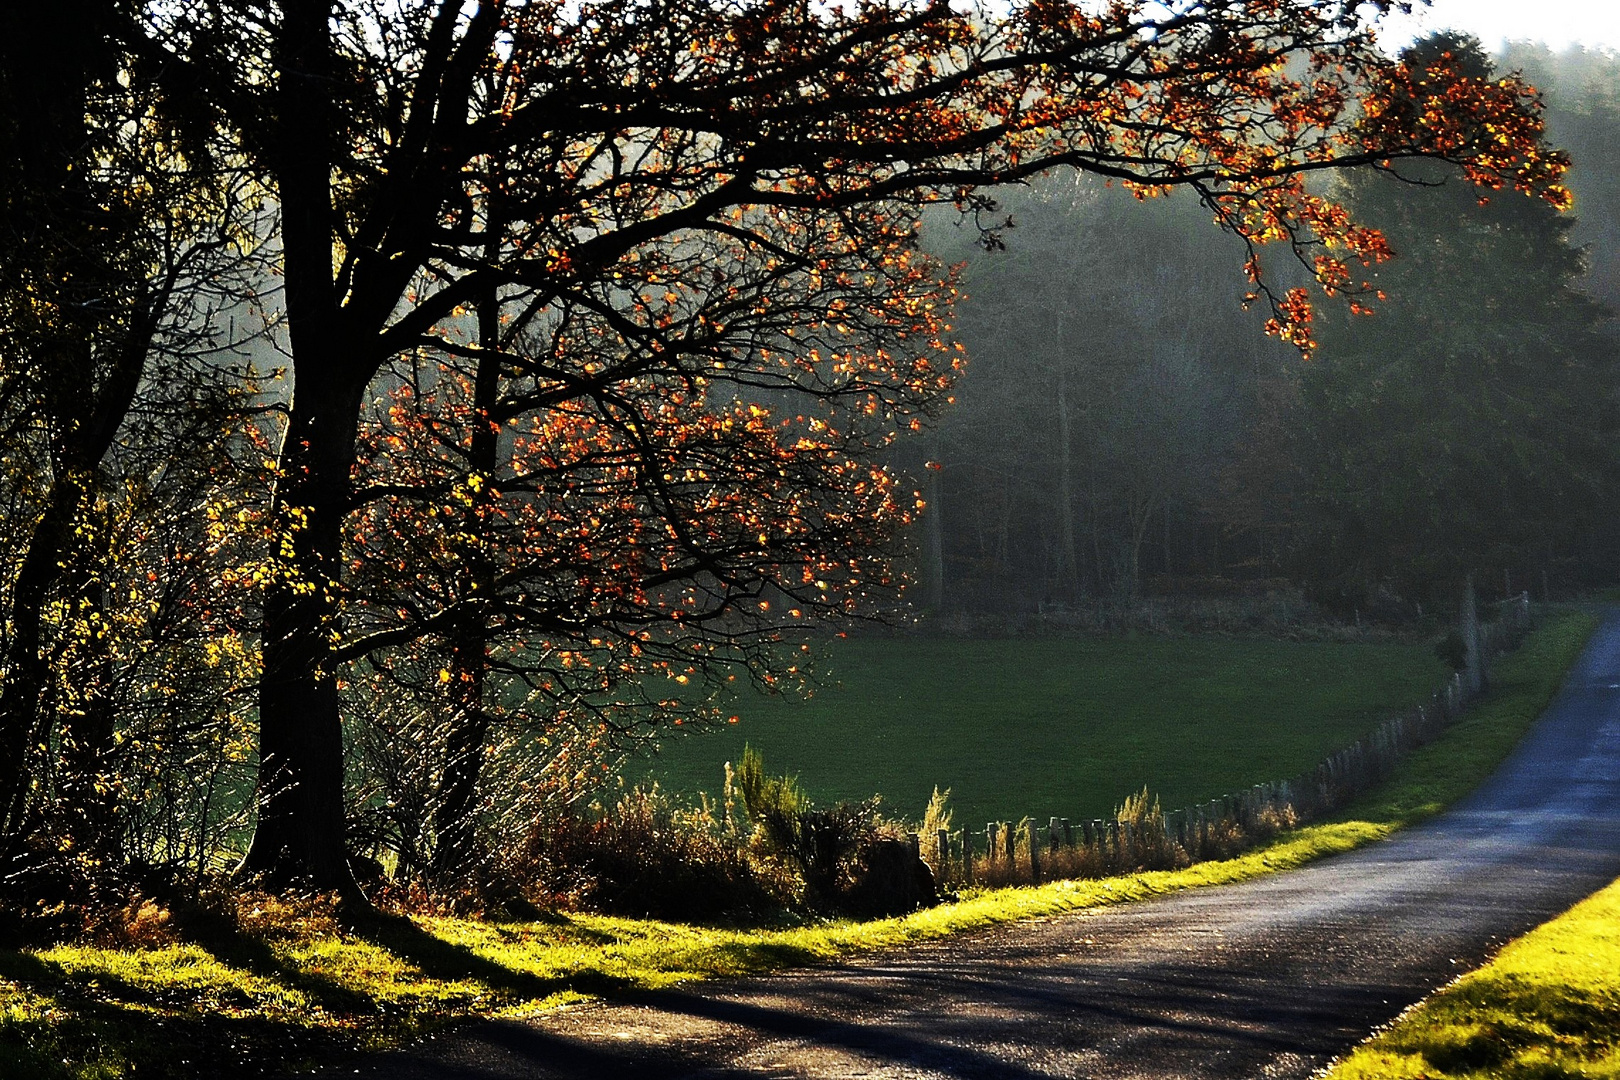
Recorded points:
(1137, 838)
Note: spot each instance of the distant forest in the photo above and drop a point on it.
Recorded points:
(1125, 430)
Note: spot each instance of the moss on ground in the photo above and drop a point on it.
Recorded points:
(290, 985)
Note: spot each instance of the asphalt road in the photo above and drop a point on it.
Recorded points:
(1271, 978)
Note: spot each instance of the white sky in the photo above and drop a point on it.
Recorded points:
(1593, 23)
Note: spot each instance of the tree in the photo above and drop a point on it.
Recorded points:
(426, 157)
(122, 247)
(1582, 92)
(1112, 366)
(583, 545)
(1470, 425)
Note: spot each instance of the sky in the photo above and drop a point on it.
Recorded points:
(1593, 23)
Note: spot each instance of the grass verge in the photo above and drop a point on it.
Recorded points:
(1547, 1007)
(297, 988)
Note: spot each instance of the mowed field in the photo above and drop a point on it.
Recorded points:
(1057, 727)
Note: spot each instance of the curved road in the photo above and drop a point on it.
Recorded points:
(1271, 978)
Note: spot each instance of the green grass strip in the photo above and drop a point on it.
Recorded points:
(295, 993)
(1547, 1007)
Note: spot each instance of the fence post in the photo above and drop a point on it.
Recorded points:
(1068, 834)
(1034, 855)
(967, 855)
(942, 841)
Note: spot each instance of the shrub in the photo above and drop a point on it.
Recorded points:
(1149, 846)
(936, 818)
(1452, 650)
(764, 795)
(643, 855)
(821, 843)
(887, 878)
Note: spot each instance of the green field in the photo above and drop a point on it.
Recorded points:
(1044, 727)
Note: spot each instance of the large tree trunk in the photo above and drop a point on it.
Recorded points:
(455, 855)
(301, 831)
(302, 826)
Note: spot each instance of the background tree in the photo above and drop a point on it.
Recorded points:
(122, 252)
(1581, 89)
(1470, 424)
(1114, 372)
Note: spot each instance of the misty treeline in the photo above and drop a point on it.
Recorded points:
(406, 406)
(1124, 431)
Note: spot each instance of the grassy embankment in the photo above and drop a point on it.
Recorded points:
(1547, 1008)
(290, 985)
(1060, 727)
